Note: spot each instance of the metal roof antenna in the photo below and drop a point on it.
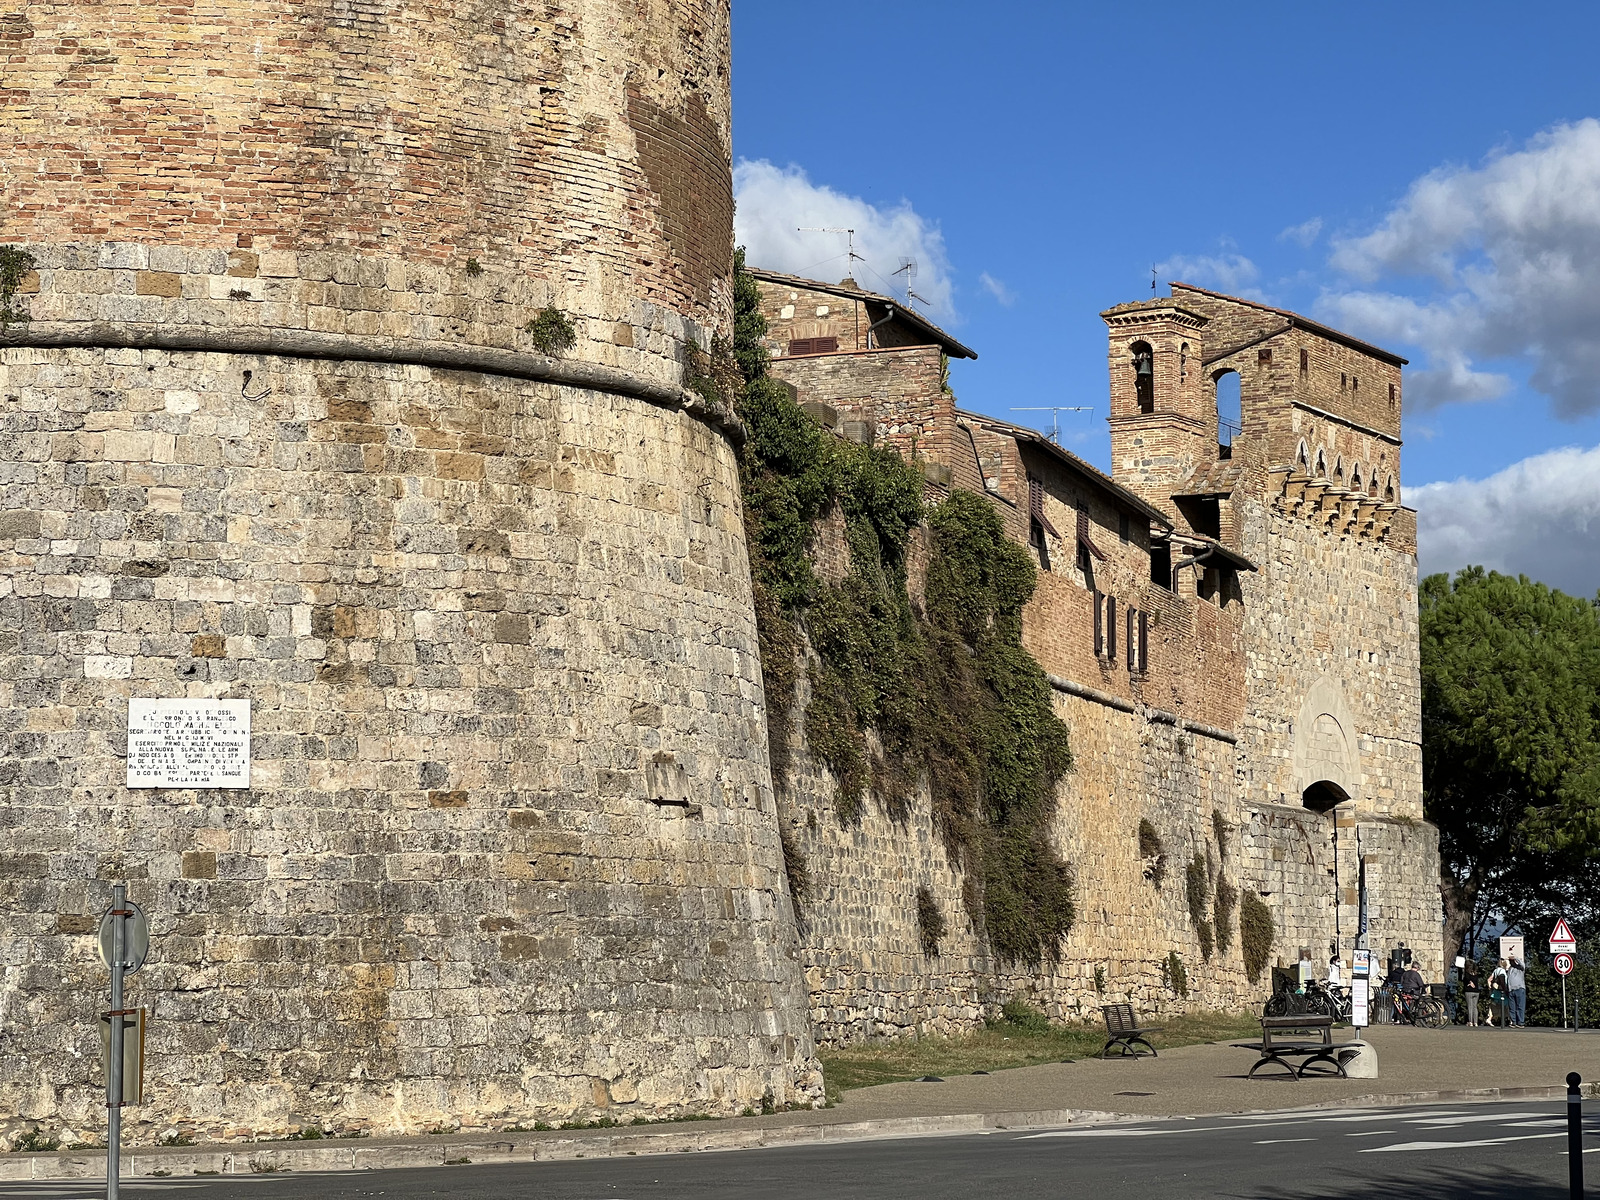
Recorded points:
(850, 241)
(1152, 281)
(1055, 420)
(908, 268)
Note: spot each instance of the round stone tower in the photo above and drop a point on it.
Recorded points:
(291, 419)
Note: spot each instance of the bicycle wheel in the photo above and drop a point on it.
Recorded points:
(1318, 1004)
(1277, 1005)
(1432, 1013)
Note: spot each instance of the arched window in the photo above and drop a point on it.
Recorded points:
(1183, 362)
(1230, 416)
(1144, 376)
(1322, 463)
(1355, 477)
(1388, 491)
(1338, 470)
(1302, 458)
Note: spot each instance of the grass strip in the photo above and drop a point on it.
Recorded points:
(1004, 1045)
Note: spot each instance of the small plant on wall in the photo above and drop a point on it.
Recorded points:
(1256, 934)
(15, 266)
(1152, 851)
(551, 332)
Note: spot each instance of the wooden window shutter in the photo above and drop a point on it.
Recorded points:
(1111, 629)
(1083, 536)
(1144, 643)
(817, 345)
(1133, 642)
(1099, 635)
(1036, 507)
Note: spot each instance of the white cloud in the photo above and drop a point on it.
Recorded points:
(997, 289)
(772, 203)
(1304, 233)
(1539, 517)
(1507, 254)
(1228, 272)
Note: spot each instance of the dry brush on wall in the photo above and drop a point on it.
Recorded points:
(935, 697)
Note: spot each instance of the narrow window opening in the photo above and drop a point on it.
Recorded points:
(1144, 378)
(1099, 627)
(1144, 643)
(1230, 414)
(1305, 361)
(1322, 464)
(1183, 362)
(1111, 630)
(1263, 358)
(1391, 395)
(1133, 640)
(1355, 384)
(1122, 527)
(1344, 382)
(1161, 564)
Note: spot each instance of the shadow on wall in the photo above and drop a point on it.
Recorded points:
(1496, 1183)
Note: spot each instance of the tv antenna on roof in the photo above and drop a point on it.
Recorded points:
(850, 240)
(1055, 422)
(908, 268)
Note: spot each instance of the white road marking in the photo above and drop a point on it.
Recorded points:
(1474, 1119)
(1281, 1141)
(1373, 1133)
(1526, 1137)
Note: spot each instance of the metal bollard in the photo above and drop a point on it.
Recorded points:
(1575, 1135)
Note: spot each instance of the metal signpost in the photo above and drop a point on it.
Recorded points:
(1563, 945)
(124, 943)
(1575, 1135)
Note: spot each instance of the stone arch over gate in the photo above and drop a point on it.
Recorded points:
(1327, 765)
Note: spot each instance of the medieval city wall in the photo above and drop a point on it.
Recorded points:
(509, 850)
(866, 970)
(278, 431)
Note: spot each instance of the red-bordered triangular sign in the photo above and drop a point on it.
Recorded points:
(1562, 933)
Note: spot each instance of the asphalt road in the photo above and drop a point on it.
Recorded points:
(1490, 1151)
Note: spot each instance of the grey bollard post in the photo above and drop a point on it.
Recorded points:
(119, 903)
(1575, 1135)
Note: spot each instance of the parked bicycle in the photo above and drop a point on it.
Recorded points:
(1316, 1000)
(1425, 1012)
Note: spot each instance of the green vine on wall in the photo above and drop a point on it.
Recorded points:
(941, 696)
(1256, 934)
(16, 264)
(1223, 904)
(1197, 890)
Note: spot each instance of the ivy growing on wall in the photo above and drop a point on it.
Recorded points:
(1197, 890)
(1256, 934)
(939, 696)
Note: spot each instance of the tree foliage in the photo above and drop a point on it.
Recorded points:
(1511, 746)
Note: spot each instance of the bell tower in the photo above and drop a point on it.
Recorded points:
(1163, 425)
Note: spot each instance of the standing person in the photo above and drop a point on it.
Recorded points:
(1497, 992)
(1517, 990)
(1469, 991)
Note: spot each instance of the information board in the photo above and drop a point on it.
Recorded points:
(188, 743)
(1358, 1003)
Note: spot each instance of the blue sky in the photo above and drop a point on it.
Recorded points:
(1427, 176)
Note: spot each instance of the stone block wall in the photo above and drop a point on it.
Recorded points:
(468, 625)
(897, 390)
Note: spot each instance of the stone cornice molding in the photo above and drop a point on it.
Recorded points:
(344, 347)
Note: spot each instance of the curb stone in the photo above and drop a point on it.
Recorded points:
(273, 1157)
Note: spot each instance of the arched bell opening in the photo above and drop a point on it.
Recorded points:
(1324, 796)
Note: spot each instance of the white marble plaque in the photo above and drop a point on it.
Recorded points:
(188, 743)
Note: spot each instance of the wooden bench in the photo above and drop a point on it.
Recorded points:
(1124, 1033)
(1277, 1046)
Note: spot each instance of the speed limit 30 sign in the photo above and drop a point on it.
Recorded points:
(1563, 964)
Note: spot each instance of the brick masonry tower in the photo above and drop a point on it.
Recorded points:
(1163, 423)
(278, 432)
